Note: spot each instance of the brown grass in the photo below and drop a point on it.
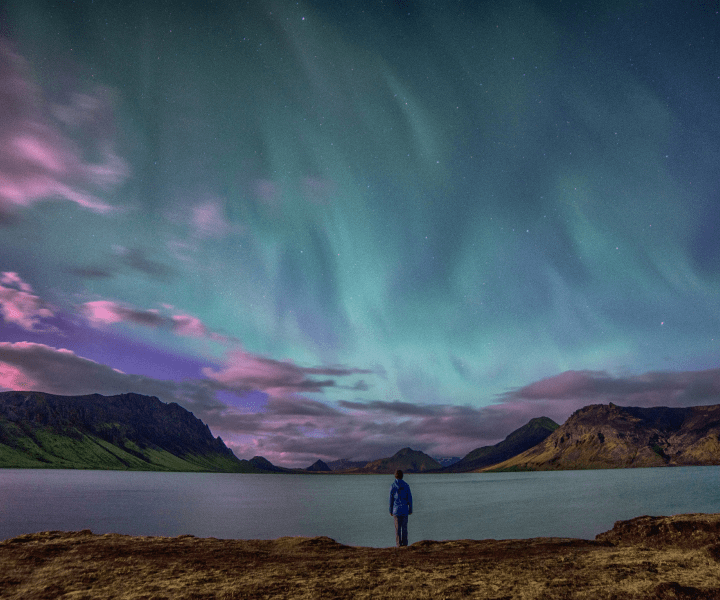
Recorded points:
(651, 557)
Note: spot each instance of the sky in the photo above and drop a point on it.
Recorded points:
(334, 230)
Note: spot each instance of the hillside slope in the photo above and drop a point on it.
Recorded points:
(518, 441)
(126, 432)
(608, 436)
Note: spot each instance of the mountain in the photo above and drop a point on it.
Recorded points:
(518, 441)
(446, 461)
(410, 461)
(343, 464)
(126, 431)
(261, 464)
(318, 465)
(608, 436)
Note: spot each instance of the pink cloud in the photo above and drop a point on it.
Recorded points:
(12, 278)
(190, 326)
(209, 220)
(563, 385)
(14, 378)
(37, 161)
(103, 312)
(107, 312)
(20, 307)
(245, 372)
(560, 395)
(649, 389)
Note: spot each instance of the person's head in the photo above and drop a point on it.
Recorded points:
(398, 474)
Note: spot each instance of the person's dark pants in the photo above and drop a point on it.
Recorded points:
(401, 530)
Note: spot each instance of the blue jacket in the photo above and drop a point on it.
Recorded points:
(400, 499)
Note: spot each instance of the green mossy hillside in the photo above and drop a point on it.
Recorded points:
(123, 432)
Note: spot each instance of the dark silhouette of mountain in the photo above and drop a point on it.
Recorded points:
(446, 461)
(520, 440)
(126, 431)
(608, 436)
(263, 465)
(344, 464)
(318, 465)
(407, 459)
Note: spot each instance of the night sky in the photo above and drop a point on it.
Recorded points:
(335, 229)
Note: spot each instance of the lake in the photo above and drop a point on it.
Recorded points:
(352, 509)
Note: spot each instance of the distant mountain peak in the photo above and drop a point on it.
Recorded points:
(407, 459)
(318, 465)
(260, 461)
(532, 433)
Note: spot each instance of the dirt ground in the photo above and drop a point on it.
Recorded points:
(649, 557)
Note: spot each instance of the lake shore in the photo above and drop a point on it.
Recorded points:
(647, 557)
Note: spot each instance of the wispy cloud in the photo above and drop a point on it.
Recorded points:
(37, 160)
(19, 306)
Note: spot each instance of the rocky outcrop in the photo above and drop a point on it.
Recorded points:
(680, 531)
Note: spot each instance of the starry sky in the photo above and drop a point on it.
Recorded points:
(333, 230)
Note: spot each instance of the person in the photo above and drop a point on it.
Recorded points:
(400, 508)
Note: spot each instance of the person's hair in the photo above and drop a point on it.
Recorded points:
(398, 474)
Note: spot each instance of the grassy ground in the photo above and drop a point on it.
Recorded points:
(651, 557)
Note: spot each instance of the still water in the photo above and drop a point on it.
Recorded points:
(352, 509)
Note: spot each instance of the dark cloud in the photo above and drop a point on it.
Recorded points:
(38, 367)
(137, 259)
(650, 389)
(299, 407)
(92, 272)
(396, 408)
(361, 386)
(133, 258)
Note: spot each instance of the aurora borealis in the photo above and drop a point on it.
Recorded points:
(332, 230)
